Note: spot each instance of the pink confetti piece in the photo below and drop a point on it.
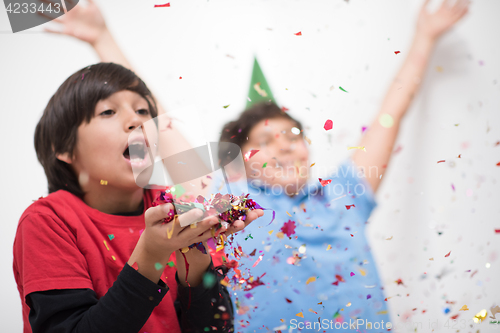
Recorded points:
(288, 228)
(324, 182)
(352, 274)
(258, 260)
(165, 5)
(363, 129)
(328, 125)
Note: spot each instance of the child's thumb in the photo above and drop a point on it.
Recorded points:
(158, 213)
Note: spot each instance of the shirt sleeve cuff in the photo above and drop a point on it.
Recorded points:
(142, 285)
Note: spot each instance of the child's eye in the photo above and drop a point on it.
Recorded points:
(107, 112)
(143, 111)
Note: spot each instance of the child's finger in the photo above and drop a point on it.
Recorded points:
(194, 215)
(158, 213)
(189, 233)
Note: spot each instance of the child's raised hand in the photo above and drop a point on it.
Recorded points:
(83, 22)
(433, 25)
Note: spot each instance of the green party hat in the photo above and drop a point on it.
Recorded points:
(259, 89)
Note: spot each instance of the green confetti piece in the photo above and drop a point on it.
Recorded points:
(249, 236)
(111, 236)
(342, 89)
(170, 263)
(158, 266)
(264, 165)
(226, 106)
(209, 280)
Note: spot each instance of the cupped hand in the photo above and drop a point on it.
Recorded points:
(239, 225)
(83, 22)
(435, 24)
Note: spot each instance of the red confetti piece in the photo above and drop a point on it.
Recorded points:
(448, 254)
(267, 122)
(336, 283)
(349, 206)
(399, 281)
(298, 33)
(288, 228)
(324, 182)
(498, 164)
(250, 153)
(339, 277)
(284, 109)
(328, 125)
(135, 266)
(288, 300)
(441, 161)
(180, 77)
(454, 317)
(396, 52)
(165, 5)
(497, 231)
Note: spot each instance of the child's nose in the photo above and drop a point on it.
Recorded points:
(132, 122)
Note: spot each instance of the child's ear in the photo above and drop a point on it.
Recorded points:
(64, 157)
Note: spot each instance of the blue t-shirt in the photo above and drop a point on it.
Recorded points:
(321, 277)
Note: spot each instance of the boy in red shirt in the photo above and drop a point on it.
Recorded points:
(94, 256)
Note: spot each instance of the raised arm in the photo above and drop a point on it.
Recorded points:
(87, 24)
(379, 139)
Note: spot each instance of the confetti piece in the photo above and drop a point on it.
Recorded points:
(307, 139)
(170, 263)
(111, 236)
(249, 154)
(453, 187)
(498, 164)
(439, 68)
(328, 125)
(226, 106)
(382, 312)
(386, 120)
(312, 165)
(497, 231)
(362, 271)
(399, 281)
(288, 300)
(363, 129)
(432, 259)
(258, 260)
(114, 258)
(342, 89)
(135, 266)
(368, 296)
(104, 182)
(209, 280)
(494, 311)
(300, 315)
(180, 77)
(361, 148)
(329, 247)
(270, 232)
(284, 109)
(158, 266)
(349, 206)
(165, 5)
(106, 244)
(264, 165)
(447, 255)
(480, 316)
(249, 236)
(311, 279)
(324, 182)
(259, 90)
(396, 52)
(352, 274)
(389, 238)
(288, 214)
(441, 161)
(298, 33)
(464, 308)
(288, 228)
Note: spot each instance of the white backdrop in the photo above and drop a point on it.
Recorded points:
(348, 43)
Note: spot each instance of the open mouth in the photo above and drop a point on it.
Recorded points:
(136, 152)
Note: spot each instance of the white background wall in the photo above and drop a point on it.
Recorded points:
(211, 44)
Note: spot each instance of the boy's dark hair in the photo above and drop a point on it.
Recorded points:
(73, 103)
(238, 130)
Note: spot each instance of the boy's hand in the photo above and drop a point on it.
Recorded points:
(435, 24)
(83, 22)
(239, 225)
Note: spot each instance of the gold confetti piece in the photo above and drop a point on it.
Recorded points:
(171, 231)
(386, 120)
(311, 279)
(382, 312)
(329, 247)
(113, 257)
(282, 320)
(259, 90)
(464, 308)
(300, 315)
(224, 283)
(439, 68)
(431, 258)
(362, 148)
(348, 304)
(185, 249)
(311, 310)
(288, 214)
(104, 182)
(480, 316)
(270, 232)
(362, 271)
(307, 139)
(106, 244)
(389, 238)
(280, 235)
(312, 165)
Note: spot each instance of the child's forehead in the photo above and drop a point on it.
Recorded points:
(123, 96)
(273, 125)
